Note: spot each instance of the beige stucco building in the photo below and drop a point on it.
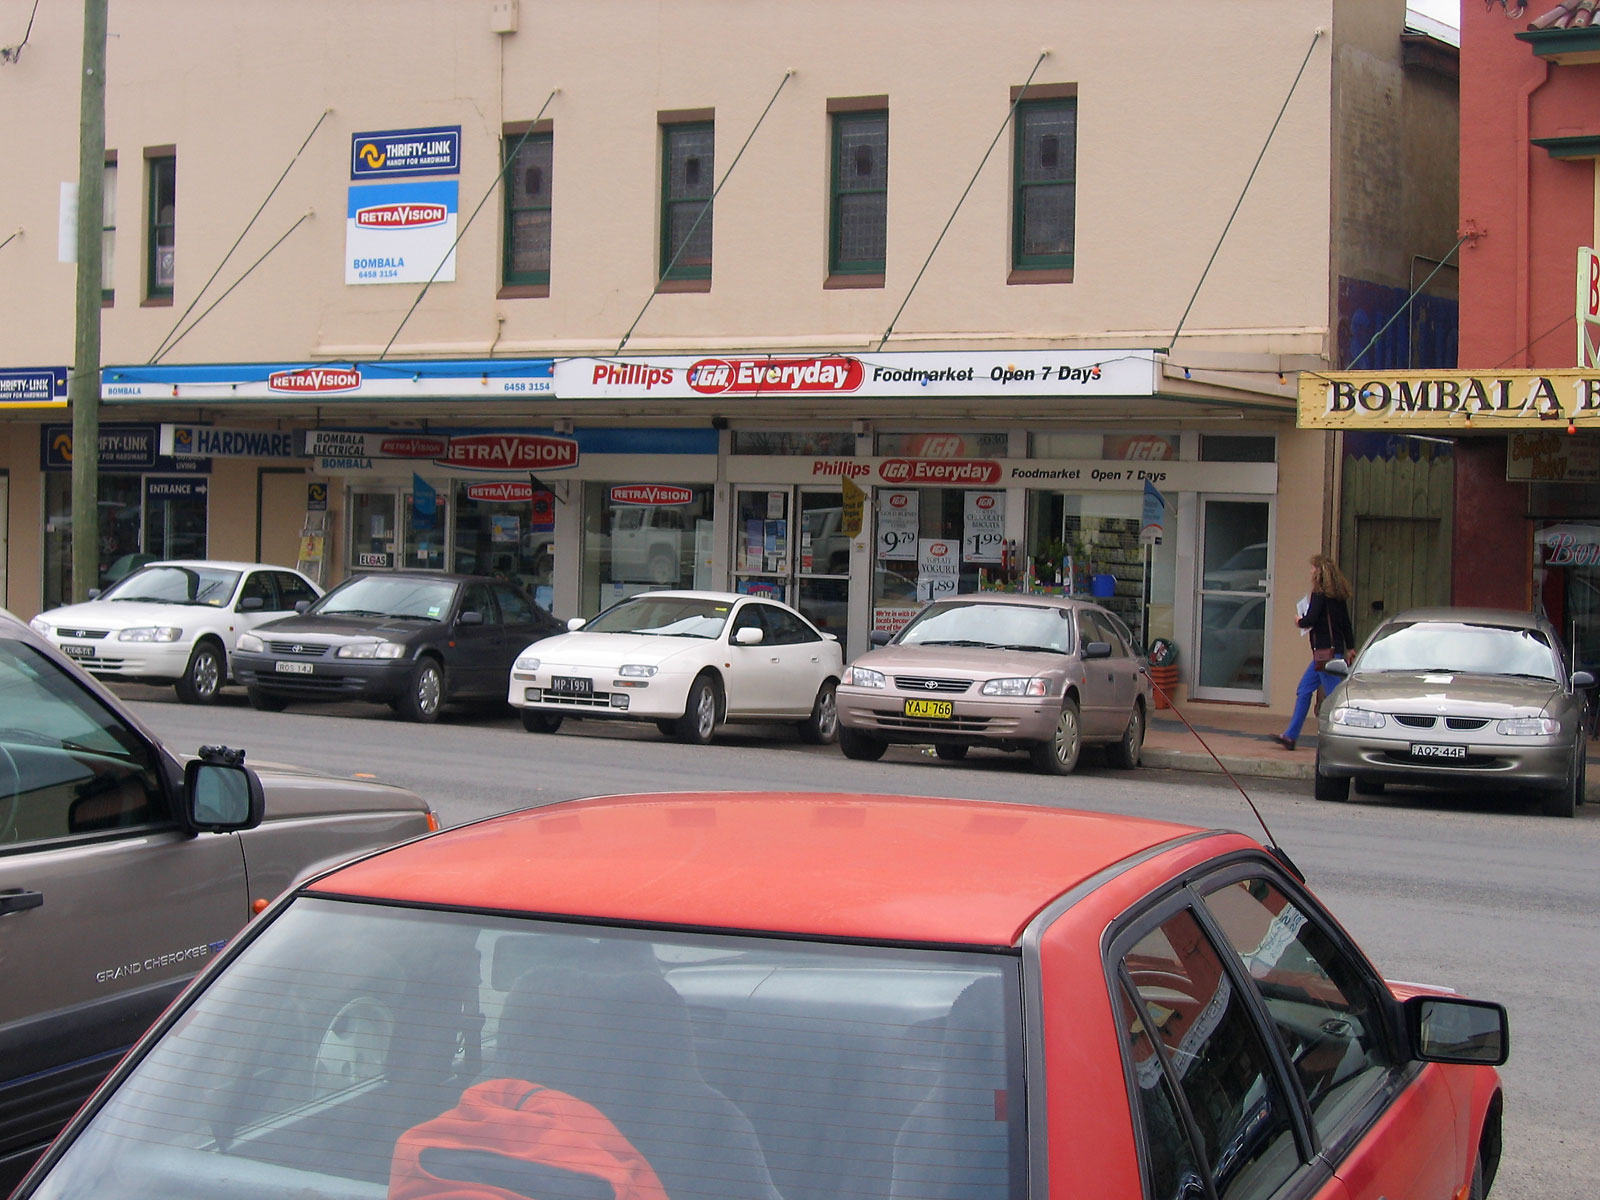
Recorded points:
(998, 263)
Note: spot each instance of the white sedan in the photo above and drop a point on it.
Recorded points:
(174, 621)
(687, 661)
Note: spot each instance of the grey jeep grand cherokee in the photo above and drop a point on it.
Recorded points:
(123, 869)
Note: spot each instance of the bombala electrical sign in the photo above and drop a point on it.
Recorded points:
(1449, 400)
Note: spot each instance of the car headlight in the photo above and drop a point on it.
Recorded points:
(1032, 686)
(250, 644)
(863, 677)
(40, 626)
(151, 633)
(371, 650)
(1358, 718)
(635, 671)
(528, 662)
(1528, 726)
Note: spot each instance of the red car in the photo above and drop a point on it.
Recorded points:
(762, 996)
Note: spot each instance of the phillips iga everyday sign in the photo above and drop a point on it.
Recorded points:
(819, 376)
(1443, 400)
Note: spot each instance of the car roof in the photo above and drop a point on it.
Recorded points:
(226, 564)
(1018, 598)
(881, 868)
(1515, 618)
(699, 594)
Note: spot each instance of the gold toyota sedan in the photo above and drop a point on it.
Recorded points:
(1457, 698)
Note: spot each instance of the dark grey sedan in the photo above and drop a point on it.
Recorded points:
(1457, 698)
(414, 640)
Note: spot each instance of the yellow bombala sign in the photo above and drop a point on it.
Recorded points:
(1448, 399)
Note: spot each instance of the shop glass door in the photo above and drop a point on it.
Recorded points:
(790, 544)
(1234, 599)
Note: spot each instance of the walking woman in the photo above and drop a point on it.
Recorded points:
(1327, 618)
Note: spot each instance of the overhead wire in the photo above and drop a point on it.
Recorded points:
(499, 175)
(704, 210)
(163, 347)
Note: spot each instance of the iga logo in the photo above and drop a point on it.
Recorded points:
(314, 379)
(947, 471)
(401, 216)
(938, 549)
(715, 376)
(899, 500)
(985, 502)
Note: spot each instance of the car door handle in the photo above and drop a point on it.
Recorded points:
(18, 900)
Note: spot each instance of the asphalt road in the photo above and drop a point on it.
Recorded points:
(1472, 893)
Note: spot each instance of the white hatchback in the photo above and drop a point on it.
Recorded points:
(687, 661)
(174, 621)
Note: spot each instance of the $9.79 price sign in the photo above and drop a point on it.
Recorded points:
(897, 525)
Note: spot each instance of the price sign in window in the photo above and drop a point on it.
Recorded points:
(938, 569)
(983, 529)
(897, 525)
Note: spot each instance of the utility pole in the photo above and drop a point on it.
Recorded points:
(83, 391)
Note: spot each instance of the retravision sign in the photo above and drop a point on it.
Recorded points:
(1448, 399)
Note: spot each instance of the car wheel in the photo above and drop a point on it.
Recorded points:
(265, 701)
(1367, 787)
(699, 720)
(202, 678)
(1329, 787)
(1058, 755)
(424, 696)
(1564, 803)
(535, 721)
(1126, 753)
(823, 724)
(861, 747)
(950, 751)
(670, 728)
(663, 568)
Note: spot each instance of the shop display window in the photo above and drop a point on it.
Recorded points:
(824, 442)
(508, 530)
(944, 445)
(643, 537)
(135, 528)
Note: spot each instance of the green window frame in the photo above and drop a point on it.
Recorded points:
(108, 232)
(859, 217)
(528, 160)
(1045, 184)
(161, 230)
(687, 169)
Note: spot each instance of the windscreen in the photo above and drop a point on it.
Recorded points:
(360, 1051)
(389, 596)
(1454, 647)
(664, 616)
(211, 586)
(1012, 626)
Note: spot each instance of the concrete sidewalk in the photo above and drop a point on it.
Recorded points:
(1240, 735)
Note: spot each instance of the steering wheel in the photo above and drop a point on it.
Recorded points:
(10, 794)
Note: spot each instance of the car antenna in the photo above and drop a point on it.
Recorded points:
(1273, 848)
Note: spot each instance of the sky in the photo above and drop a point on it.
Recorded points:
(1448, 11)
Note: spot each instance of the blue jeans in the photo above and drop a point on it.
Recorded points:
(1309, 683)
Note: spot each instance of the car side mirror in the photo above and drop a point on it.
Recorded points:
(1581, 680)
(748, 636)
(93, 593)
(576, 623)
(1097, 650)
(880, 637)
(220, 793)
(471, 617)
(300, 606)
(1336, 666)
(1451, 1029)
(252, 604)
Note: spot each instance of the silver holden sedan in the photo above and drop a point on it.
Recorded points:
(1457, 698)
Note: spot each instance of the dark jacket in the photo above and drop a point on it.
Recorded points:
(1328, 619)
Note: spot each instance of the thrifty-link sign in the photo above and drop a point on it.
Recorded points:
(435, 150)
(1448, 399)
